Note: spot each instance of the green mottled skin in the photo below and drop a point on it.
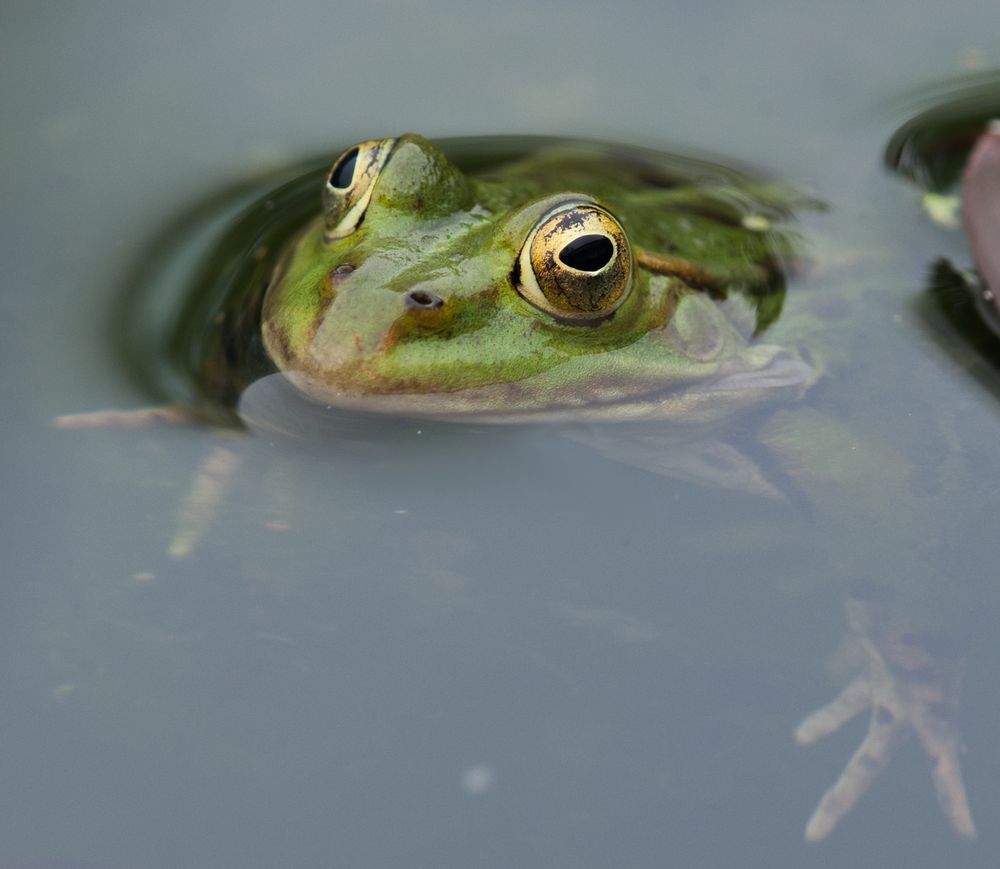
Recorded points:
(347, 338)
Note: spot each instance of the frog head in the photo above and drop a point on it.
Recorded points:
(563, 284)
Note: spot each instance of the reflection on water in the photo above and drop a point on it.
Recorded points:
(932, 146)
(933, 149)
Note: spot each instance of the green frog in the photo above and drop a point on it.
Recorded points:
(560, 287)
(583, 283)
(576, 285)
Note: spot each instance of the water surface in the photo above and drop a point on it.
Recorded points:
(470, 648)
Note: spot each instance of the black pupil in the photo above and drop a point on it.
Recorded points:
(343, 172)
(588, 253)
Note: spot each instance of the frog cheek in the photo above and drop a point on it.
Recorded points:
(694, 329)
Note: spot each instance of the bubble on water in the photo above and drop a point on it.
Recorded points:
(478, 779)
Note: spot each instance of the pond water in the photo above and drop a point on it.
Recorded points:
(426, 645)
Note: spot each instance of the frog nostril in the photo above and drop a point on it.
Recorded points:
(422, 300)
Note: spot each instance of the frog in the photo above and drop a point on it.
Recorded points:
(574, 286)
(427, 293)
(592, 285)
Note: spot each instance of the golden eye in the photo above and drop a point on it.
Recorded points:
(349, 185)
(576, 264)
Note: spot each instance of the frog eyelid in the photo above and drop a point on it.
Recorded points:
(349, 186)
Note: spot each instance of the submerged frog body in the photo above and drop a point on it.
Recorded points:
(595, 286)
(575, 282)
(910, 683)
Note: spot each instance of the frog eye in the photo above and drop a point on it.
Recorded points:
(349, 185)
(576, 264)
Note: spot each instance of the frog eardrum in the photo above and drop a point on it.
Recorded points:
(576, 264)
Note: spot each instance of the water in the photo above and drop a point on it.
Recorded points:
(470, 648)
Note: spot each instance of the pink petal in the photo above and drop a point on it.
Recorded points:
(981, 207)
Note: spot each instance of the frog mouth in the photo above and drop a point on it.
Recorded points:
(767, 373)
(782, 370)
